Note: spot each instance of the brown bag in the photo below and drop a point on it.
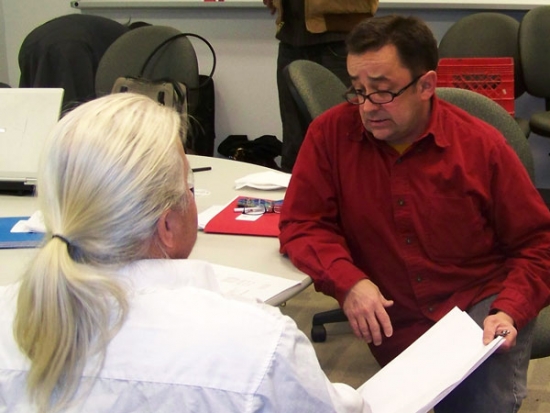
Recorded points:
(164, 91)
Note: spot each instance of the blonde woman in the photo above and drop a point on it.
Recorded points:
(111, 317)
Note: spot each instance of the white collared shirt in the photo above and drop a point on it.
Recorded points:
(186, 348)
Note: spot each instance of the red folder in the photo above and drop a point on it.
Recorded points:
(226, 222)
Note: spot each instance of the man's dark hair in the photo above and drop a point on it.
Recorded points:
(413, 39)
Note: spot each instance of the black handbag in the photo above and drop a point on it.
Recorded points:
(260, 151)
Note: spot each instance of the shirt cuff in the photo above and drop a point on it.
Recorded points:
(345, 276)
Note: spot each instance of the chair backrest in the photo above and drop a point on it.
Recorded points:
(314, 88)
(484, 108)
(176, 60)
(541, 336)
(534, 47)
(489, 111)
(485, 34)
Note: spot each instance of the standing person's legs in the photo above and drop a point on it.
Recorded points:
(333, 56)
(499, 385)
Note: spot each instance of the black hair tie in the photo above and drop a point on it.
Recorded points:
(62, 238)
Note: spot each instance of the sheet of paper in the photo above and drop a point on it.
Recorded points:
(249, 284)
(208, 214)
(430, 368)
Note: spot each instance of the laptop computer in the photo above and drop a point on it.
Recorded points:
(27, 115)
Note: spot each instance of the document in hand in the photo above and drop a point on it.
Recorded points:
(430, 368)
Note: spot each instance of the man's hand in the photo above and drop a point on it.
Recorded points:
(270, 6)
(365, 307)
(500, 324)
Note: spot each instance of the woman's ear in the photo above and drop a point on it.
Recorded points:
(166, 231)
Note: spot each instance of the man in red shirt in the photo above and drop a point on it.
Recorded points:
(402, 206)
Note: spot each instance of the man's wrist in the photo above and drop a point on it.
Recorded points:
(495, 311)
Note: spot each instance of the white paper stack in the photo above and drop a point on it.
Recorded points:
(421, 376)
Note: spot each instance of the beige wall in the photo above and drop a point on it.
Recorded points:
(19, 18)
(245, 86)
(3, 58)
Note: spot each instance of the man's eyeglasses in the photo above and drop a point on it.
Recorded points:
(356, 97)
(262, 209)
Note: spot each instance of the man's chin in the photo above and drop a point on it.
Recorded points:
(378, 134)
(378, 129)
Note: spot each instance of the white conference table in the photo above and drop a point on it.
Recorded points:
(214, 187)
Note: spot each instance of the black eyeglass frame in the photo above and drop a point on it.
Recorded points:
(191, 180)
(358, 98)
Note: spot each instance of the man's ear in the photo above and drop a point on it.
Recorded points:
(428, 83)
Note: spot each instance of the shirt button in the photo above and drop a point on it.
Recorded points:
(399, 160)
(408, 241)
(431, 309)
(401, 202)
(419, 279)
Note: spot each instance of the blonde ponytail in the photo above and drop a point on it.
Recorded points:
(66, 313)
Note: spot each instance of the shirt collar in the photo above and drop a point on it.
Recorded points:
(167, 274)
(436, 127)
(350, 116)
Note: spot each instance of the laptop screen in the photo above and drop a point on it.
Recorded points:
(27, 115)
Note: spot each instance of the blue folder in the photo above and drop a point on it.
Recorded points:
(17, 239)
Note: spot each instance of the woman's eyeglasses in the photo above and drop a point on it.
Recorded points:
(191, 180)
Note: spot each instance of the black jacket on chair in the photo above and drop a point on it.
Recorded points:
(65, 52)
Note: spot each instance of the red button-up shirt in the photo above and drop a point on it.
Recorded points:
(451, 221)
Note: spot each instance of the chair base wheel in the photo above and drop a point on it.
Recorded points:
(318, 333)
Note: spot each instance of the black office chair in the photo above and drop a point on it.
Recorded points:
(534, 48)
(487, 34)
(314, 88)
(484, 108)
(541, 336)
(127, 55)
(492, 113)
(175, 60)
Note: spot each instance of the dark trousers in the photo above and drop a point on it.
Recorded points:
(330, 55)
(499, 384)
